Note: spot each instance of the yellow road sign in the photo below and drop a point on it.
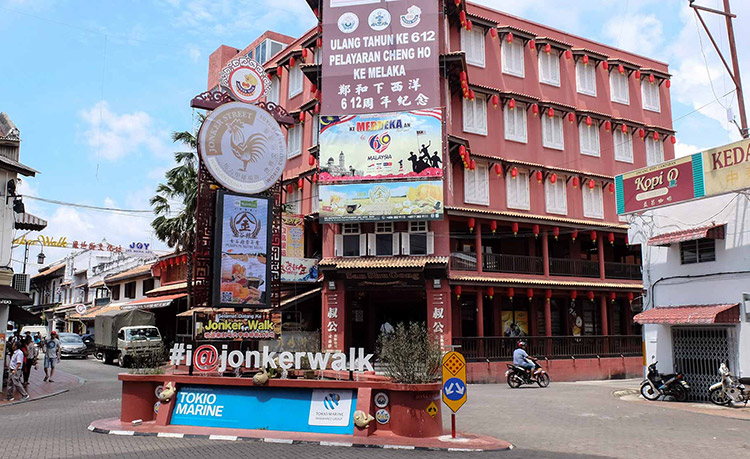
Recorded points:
(432, 409)
(454, 380)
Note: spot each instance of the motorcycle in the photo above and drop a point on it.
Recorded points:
(729, 389)
(518, 375)
(658, 384)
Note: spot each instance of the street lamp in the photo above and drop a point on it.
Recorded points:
(39, 258)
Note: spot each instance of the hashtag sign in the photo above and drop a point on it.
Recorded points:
(177, 353)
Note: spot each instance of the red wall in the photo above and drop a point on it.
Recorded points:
(563, 370)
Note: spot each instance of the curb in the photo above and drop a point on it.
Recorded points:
(81, 381)
(132, 433)
(624, 392)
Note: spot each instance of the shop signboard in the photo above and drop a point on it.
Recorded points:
(243, 235)
(380, 55)
(727, 168)
(245, 79)
(381, 146)
(381, 201)
(299, 269)
(292, 236)
(236, 325)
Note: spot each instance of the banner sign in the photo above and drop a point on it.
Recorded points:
(381, 146)
(299, 269)
(235, 325)
(243, 234)
(658, 185)
(727, 168)
(292, 236)
(138, 248)
(380, 55)
(381, 201)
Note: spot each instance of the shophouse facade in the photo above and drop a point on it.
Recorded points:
(530, 242)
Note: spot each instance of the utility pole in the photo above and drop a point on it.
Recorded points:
(734, 73)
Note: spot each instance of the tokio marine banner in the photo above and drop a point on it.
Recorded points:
(380, 55)
(381, 146)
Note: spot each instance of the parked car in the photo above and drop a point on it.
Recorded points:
(34, 329)
(88, 340)
(71, 345)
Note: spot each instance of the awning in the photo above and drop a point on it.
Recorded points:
(177, 287)
(21, 316)
(30, 222)
(12, 297)
(154, 302)
(693, 314)
(692, 234)
(298, 298)
(95, 311)
(189, 312)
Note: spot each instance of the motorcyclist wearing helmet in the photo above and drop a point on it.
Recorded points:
(522, 359)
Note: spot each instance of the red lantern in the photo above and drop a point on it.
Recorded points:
(171, 262)
(511, 291)
(624, 129)
(315, 178)
(539, 176)
(491, 292)
(592, 184)
(548, 294)
(495, 100)
(458, 291)
(498, 170)
(313, 89)
(302, 117)
(319, 42)
(530, 293)
(471, 94)
(568, 54)
(493, 33)
(547, 48)
(642, 133)
(656, 136)
(627, 242)
(612, 296)
(605, 65)
(536, 231)
(556, 232)
(473, 165)
(458, 2)
(493, 226)
(514, 226)
(535, 110)
(278, 70)
(184, 259)
(621, 69)
(651, 79)
(462, 76)
(532, 44)
(304, 54)
(576, 182)
(574, 235)
(588, 121)
(551, 112)
(553, 178)
(585, 60)
(469, 25)
(608, 125)
(300, 183)
(311, 160)
(637, 74)
(291, 62)
(611, 188)
(471, 223)
(514, 172)
(573, 294)
(669, 84)
(611, 238)
(593, 236)
(462, 17)
(290, 188)
(509, 37)
(512, 104)
(572, 117)
(462, 151)
(673, 139)
(591, 295)
(630, 297)
(317, 108)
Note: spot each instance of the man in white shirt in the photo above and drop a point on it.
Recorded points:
(16, 373)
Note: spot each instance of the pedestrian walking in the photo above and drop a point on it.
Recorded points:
(16, 376)
(32, 354)
(51, 356)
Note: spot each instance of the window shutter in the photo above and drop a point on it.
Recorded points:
(396, 244)
(599, 202)
(405, 244)
(480, 104)
(525, 190)
(430, 243)
(546, 128)
(371, 244)
(362, 244)
(338, 245)
(468, 114)
(510, 189)
(482, 184)
(509, 123)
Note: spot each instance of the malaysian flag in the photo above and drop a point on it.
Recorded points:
(328, 121)
(436, 113)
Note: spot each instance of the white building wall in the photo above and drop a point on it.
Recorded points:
(7, 219)
(669, 283)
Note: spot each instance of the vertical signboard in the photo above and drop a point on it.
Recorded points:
(379, 55)
(292, 236)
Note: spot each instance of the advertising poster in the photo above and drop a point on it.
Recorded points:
(379, 55)
(381, 146)
(243, 235)
(381, 201)
(292, 236)
(299, 269)
(658, 185)
(236, 325)
(330, 408)
(727, 168)
(515, 323)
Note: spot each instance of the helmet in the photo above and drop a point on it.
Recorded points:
(522, 343)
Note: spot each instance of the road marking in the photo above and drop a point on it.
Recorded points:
(287, 441)
(121, 432)
(91, 428)
(334, 443)
(223, 437)
(397, 447)
(169, 435)
(464, 449)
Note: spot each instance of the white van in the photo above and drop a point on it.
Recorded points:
(34, 329)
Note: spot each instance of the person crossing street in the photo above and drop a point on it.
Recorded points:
(16, 373)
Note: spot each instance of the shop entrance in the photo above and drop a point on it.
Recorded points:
(370, 309)
(697, 353)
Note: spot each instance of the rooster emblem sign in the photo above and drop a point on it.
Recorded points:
(243, 147)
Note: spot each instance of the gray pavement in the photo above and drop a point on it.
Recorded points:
(566, 420)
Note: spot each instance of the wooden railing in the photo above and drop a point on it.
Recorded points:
(499, 263)
(549, 347)
(577, 268)
(464, 261)
(622, 270)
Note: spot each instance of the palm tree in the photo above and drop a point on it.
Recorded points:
(176, 226)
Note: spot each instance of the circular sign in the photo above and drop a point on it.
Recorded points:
(381, 399)
(157, 390)
(242, 147)
(382, 416)
(379, 19)
(156, 407)
(348, 22)
(81, 309)
(206, 358)
(245, 79)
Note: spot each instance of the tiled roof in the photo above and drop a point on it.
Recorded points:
(48, 271)
(518, 215)
(553, 42)
(176, 287)
(557, 169)
(153, 302)
(591, 53)
(513, 281)
(713, 231)
(382, 262)
(138, 271)
(660, 129)
(693, 314)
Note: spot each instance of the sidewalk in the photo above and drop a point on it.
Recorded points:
(38, 388)
(738, 411)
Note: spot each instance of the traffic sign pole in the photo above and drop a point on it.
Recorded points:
(453, 425)
(454, 385)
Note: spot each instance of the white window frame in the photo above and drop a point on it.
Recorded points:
(315, 129)
(556, 196)
(654, 148)
(588, 138)
(623, 145)
(511, 54)
(274, 93)
(585, 79)
(470, 40)
(593, 202)
(477, 185)
(350, 229)
(516, 119)
(383, 228)
(650, 97)
(549, 71)
(294, 142)
(517, 191)
(473, 110)
(294, 201)
(549, 127)
(418, 228)
(615, 80)
(295, 81)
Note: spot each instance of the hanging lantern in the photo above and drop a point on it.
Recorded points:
(611, 238)
(612, 296)
(512, 104)
(471, 94)
(556, 232)
(548, 293)
(185, 259)
(178, 261)
(573, 294)
(624, 129)
(495, 100)
(511, 291)
(532, 44)
(536, 231)
(651, 79)
(471, 223)
(514, 172)
(458, 291)
(462, 18)
(458, 3)
(593, 236)
(585, 60)
(498, 170)
(304, 54)
(509, 37)
(473, 165)
(469, 25)
(278, 70)
(608, 125)
(642, 133)
(311, 160)
(592, 184)
(493, 226)
(656, 136)
(290, 188)
(313, 88)
(637, 74)
(539, 176)
(302, 117)
(317, 108)
(588, 121)
(630, 297)
(291, 62)
(547, 48)
(621, 69)
(605, 65)
(553, 178)
(591, 295)
(319, 42)
(300, 183)
(627, 241)
(572, 117)
(669, 84)
(171, 262)
(315, 178)
(673, 139)
(514, 227)
(530, 293)
(493, 33)
(568, 54)
(574, 235)
(535, 110)
(462, 76)
(551, 112)
(491, 292)
(611, 188)
(576, 182)
(462, 151)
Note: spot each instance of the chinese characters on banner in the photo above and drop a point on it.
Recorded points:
(380, 56)
(299, 269)
(439, 320)
(727, 168)
(332, 321)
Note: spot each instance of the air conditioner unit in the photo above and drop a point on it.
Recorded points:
(21, 282)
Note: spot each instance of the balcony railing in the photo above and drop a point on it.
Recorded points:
(497, 263)
(549, 347)
(622, 270)
(577, 268)
(464, 261)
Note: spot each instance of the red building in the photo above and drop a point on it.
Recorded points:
(530, 239)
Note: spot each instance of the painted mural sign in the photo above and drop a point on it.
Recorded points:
(655, 186)
(243, 236)
(381, 146)
(292, 236)
(299, 269)
(235, 325)
(381, 201)
(245, 79)
(380, 55)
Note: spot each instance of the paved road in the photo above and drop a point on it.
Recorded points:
(576, 420)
